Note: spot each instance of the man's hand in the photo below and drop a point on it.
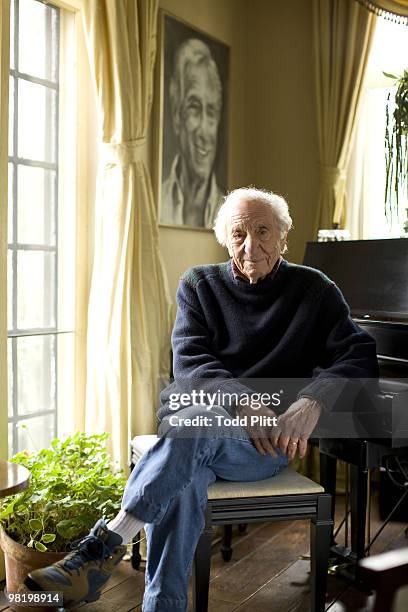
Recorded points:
(295, 426)
(261, 435)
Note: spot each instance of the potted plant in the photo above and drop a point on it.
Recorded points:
(396, 144)
(72, 485)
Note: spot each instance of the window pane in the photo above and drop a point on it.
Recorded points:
(10, 204)
(9, 289)
(35, 433)
(35, 289)
(11, 116)
(37, 54)
(36, 122)
(10, 381)
(31, 224)
(36, 205)
(35, 374)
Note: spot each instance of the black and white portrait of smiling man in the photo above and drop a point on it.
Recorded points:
(194, 165)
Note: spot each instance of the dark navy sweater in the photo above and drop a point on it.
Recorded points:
(293, 325)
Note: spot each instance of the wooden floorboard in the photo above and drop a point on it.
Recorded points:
(243, 544)
(268, 571)
(236, 583)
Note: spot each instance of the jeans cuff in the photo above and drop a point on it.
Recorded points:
(145, 511)
(163, 604)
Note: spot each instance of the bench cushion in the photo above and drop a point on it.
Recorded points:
(288, 482)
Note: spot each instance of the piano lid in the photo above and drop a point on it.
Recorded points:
(372, 274)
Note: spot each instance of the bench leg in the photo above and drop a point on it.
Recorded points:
(201, 567)
(328, 477)
(320, 539)
(226, 549)
(136, 557)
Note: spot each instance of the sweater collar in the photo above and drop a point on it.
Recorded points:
(239, 276)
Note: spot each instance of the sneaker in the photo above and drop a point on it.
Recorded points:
(80, 575)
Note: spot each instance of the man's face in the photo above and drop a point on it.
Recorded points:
(199, 119)
(254, 241)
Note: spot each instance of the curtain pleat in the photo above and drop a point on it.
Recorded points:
(343, 33)
(129, 307)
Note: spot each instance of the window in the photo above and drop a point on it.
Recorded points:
(41, 221)
(366, 177)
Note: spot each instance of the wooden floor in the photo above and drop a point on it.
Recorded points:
(267, 572)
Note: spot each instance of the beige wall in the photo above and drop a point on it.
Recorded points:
(272, 129)
(280, 115)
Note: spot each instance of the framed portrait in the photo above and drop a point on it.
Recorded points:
(192, 126)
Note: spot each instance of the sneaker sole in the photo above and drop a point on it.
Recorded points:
(32, 585)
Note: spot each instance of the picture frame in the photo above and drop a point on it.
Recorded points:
(191, 124)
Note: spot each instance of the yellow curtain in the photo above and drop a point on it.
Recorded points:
(129, 309)
(343, 33)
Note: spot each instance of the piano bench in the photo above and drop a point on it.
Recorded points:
(287, 496)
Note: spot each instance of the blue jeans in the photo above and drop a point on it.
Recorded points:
(168, 490)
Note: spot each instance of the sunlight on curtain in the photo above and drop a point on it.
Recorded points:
(343, 32)
(366, 175)
(129, 311)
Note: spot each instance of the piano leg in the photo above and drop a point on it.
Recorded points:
(358, 502)
(328, 466)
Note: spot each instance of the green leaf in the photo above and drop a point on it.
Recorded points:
(35, 524)
(8, 509)
(89, 520)
(390, 76)
(35, 498)
(40, 546)
(48, 537)
(67, 528)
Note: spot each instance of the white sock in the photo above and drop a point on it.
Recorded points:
(126, 525)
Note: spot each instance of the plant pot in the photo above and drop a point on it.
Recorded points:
(19, 561)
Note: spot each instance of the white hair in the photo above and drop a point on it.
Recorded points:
(278, 206)
(192, 52)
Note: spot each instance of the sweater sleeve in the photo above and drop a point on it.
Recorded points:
(348, 353)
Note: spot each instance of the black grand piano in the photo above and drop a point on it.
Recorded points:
(373, 276)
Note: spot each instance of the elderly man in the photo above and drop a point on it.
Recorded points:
(255, 316)
(190, 194)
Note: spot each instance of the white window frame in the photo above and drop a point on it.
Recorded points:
(78, 179)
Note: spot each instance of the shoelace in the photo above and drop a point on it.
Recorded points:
(90, 548)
